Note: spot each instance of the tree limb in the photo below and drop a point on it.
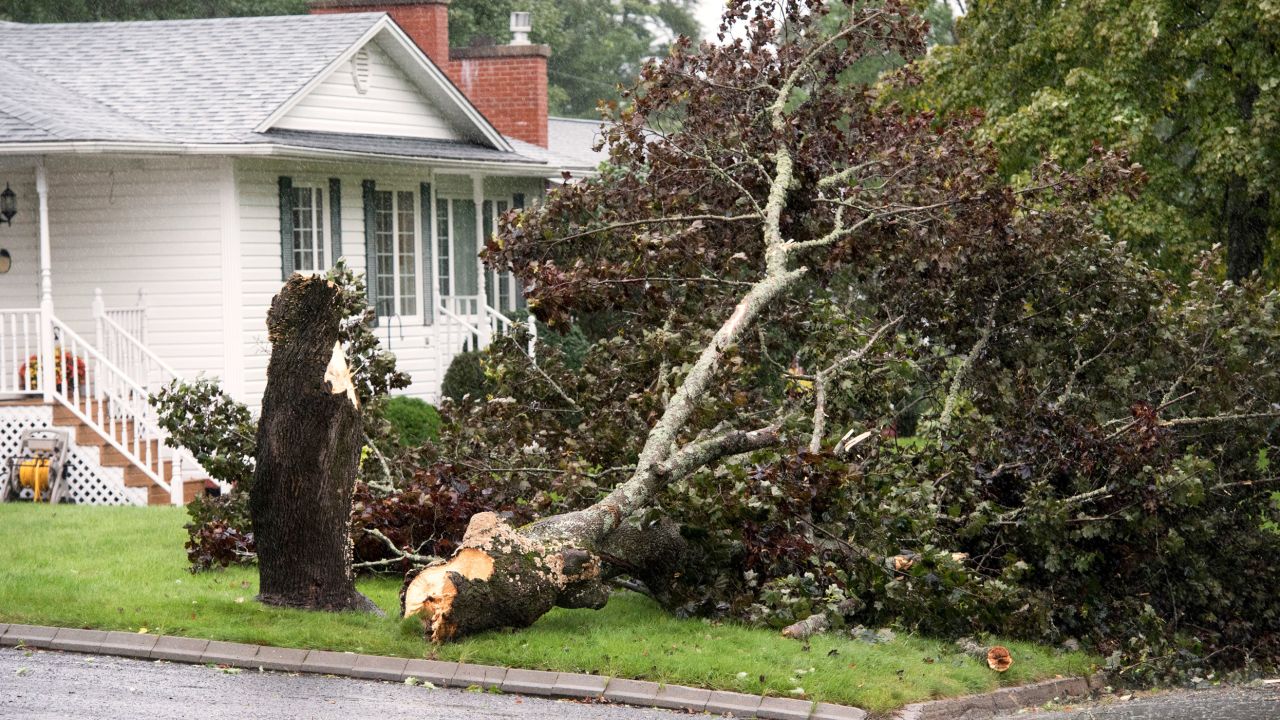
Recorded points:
(823, 379)
(957, 381)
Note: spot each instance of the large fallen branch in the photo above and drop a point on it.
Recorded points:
(503, 577)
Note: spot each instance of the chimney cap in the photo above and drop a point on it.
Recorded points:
(521, 26)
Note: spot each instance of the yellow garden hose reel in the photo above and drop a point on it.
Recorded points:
(37, 469)
(34, 473)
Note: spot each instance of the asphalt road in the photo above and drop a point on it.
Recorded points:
(44, 685)
(1241, 703)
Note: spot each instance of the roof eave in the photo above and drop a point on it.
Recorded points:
(276, 150)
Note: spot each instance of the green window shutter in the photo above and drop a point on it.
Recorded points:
(335, 218)
(466, 266)
(370, 248)
(286, 227)
(428, 252)
(517, 202)
(490, 292)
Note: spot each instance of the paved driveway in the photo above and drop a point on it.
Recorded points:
(45, 685)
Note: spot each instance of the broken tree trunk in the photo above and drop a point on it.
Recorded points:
(501, 576)
(309, 440)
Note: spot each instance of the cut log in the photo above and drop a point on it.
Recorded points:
(503, 577)
(499, 577)
(999, 659)
(309, 440)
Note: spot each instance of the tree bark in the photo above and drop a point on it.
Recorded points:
(1246, 223)
(504, 577)
(1246, 214)
(309, 440)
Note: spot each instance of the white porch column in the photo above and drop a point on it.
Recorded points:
(47, 372)
(477, 194)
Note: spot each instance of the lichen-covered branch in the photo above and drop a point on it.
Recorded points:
(962, 372)
(822, 380)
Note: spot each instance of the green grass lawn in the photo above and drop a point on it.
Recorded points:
(124, 569)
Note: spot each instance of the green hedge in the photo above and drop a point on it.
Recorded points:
(415, 421)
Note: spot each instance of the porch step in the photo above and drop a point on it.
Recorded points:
(135, 477)
(86, 435)
(190, 491)
(109, 456)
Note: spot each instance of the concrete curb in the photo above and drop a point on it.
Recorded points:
(986, 705)
(525, 682)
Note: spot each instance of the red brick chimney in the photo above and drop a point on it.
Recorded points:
(506, 83)
(426, 22)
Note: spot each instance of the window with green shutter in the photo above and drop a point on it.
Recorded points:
(395, 253)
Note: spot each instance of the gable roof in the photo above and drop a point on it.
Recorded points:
(205, 83)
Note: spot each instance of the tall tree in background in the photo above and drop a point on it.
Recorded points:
(595, 45)
(1187, 87)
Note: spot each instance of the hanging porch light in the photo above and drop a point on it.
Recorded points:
(8, 205)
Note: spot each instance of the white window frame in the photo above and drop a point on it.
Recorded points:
(450, 277)
(470, 308)
(372, 273)
(322, 247)
(493, 278)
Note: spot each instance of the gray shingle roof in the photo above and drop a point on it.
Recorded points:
(15, 129)
(57, 113)
(573, 138)
(209, 81)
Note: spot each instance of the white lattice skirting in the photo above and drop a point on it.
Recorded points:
(89, 482)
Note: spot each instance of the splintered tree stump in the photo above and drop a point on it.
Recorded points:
(309, 441)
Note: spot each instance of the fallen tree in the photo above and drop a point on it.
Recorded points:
(787, 186)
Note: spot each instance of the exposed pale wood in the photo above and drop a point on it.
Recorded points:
(431, 592)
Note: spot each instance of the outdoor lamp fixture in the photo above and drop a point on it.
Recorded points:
(8, 205)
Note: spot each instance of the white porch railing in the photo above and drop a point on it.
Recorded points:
(107, 385)
(121, 336)
(19, 347)
(469, 323)
(106, 399)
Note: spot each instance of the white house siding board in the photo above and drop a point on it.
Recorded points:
(415, 345)
(392, 104)
(19, 288)
(504, 187)
(125, 225)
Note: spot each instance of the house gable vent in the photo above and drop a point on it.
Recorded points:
(360, 70)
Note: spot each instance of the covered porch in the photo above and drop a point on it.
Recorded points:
(84, 367)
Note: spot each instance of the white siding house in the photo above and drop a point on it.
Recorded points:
(170, 175)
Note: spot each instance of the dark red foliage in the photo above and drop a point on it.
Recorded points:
(217, 544)
(427, 516)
